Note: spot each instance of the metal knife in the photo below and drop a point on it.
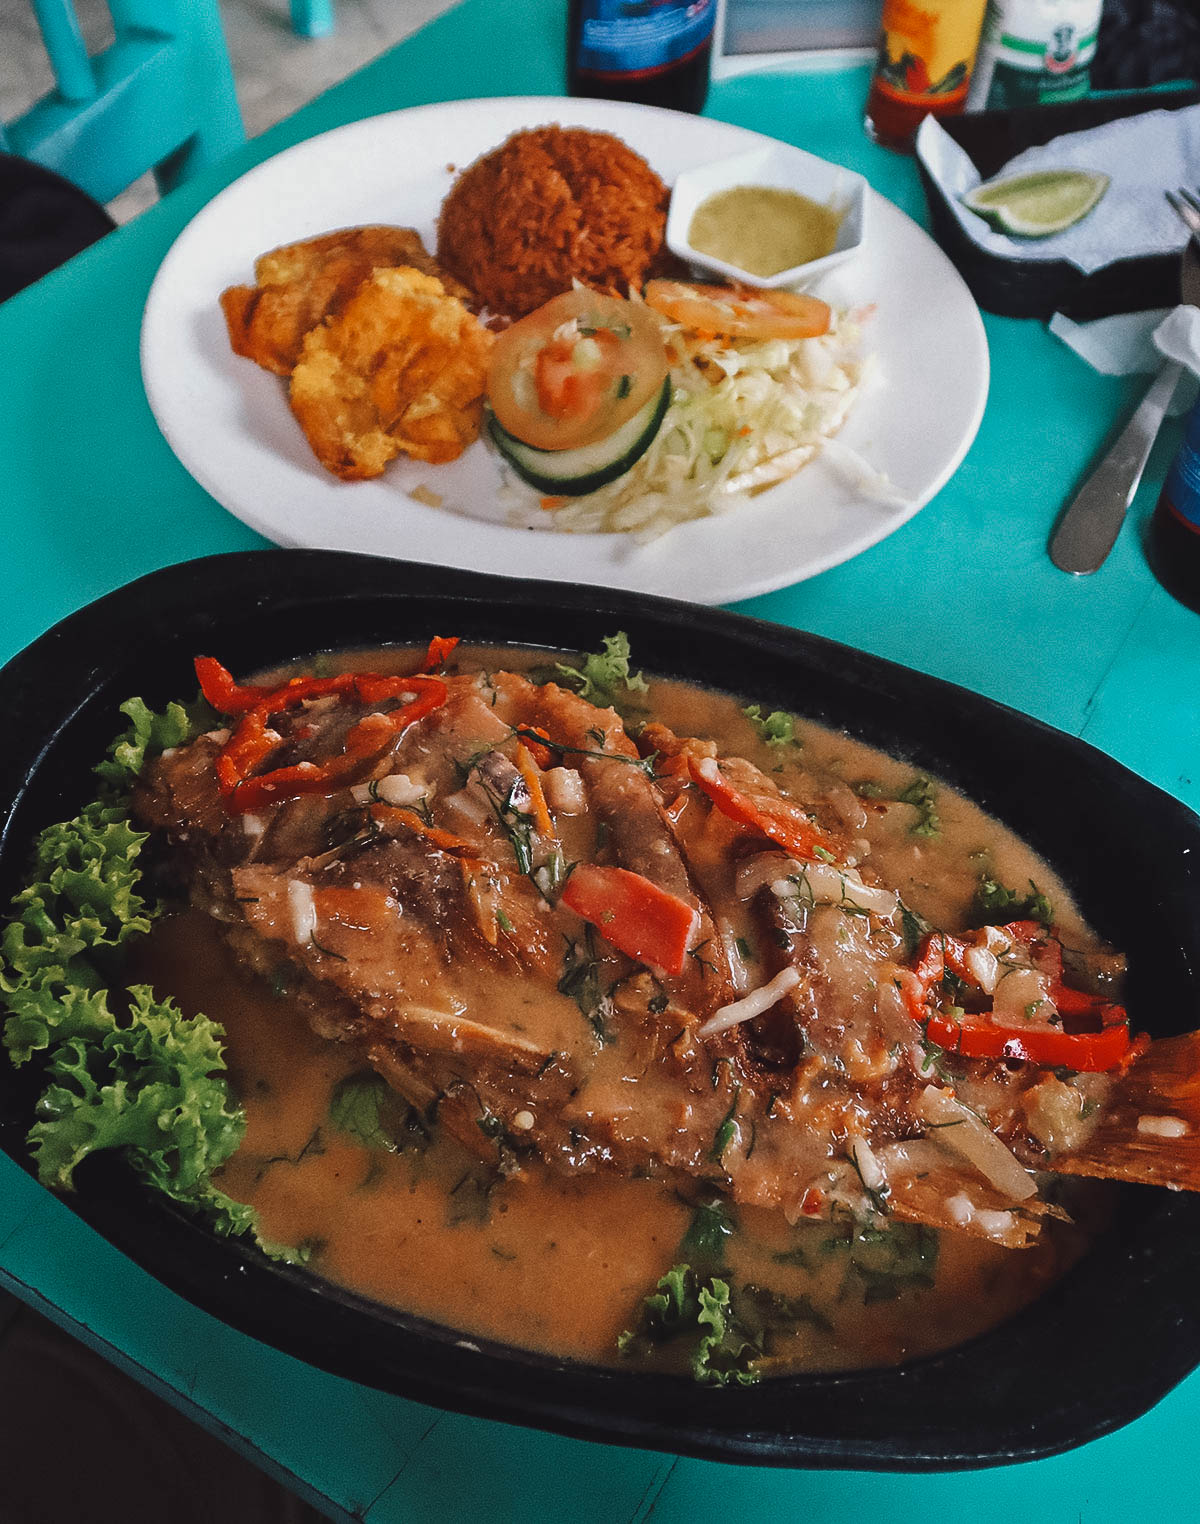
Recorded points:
(1089, 526)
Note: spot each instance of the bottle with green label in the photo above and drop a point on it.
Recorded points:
(1034, 53)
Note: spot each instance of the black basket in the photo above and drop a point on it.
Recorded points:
(1033, 288)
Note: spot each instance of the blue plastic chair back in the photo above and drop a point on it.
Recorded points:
(312, 18)
(159, 98)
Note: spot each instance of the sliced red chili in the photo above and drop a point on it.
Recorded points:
(777, 819)
(244, 788)
(976, 1035)
(438, 654)
(218, 686)
(1049, 1047)
(632, 913)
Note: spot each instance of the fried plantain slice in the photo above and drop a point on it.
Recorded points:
(401, 370)
(301, 284)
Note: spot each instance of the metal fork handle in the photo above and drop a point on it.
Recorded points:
(1089, 527)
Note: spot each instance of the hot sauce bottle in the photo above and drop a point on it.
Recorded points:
(926, 52)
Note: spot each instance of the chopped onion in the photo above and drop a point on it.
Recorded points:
(397, 789)
(303, 908)
(960, 1130)
(1020, 997)
(763, 868)
(1162, 1127)
(962, 1211)
(833, 886)
(870, 1171)
(564, 790)
(752, 1005)
(983, 968)
(468, 804)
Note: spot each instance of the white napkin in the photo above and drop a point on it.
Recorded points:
(1138, 342)
(1144, 155)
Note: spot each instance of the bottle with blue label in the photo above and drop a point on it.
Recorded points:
(1173, 543)
(648, 52)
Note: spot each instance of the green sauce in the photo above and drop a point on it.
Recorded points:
(763, 230)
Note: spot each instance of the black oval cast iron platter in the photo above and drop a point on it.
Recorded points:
(1098, 1349)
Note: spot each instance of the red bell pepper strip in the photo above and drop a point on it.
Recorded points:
(777, 819)
(636, 916)
(1049, 1047)
(224, 694)
(439, 651)
(977, 1036)
(253, 740)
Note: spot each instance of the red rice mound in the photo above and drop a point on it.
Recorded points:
(549, 206)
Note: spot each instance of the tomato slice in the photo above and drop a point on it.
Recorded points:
(575, 370)
(739, 312)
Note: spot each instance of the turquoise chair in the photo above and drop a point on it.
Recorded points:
(159, 98)
(312, 18)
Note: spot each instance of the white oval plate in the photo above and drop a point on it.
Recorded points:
(228, 420)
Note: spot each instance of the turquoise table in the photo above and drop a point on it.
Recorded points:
(91, 497)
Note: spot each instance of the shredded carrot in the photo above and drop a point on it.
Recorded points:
(745, 431)
(553, 502)
(542, 755)
(541, 814)
(444, 841)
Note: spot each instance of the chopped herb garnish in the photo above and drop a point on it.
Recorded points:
(326, 952)
(996, 903)
(704, 1242)
(886, 1257)
(922, 795)
(367, 1108)
(914, 928)
(581, 982)
(642, 764)
(705, 964)
(728, 1130)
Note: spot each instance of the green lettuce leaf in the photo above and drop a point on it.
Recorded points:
(148, 734)
(82, 904)
(123, 1069)
(604, 677)
(151, 1086)
(686, 1306)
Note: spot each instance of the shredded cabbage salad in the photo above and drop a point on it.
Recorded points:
(741, 418)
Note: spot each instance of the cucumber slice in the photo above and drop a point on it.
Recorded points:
(572, 473)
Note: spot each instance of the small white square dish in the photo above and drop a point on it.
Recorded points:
(767, 170)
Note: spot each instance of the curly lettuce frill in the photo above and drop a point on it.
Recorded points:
(123, 1069)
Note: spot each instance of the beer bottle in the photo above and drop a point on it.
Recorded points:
(1173, 541)
(1034, 53)
(648, 54)
(926, 52)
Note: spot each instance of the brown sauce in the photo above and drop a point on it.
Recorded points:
(560, 1263)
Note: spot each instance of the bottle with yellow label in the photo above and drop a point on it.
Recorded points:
(926, 53)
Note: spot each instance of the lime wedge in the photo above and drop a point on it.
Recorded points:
(1037, 205)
